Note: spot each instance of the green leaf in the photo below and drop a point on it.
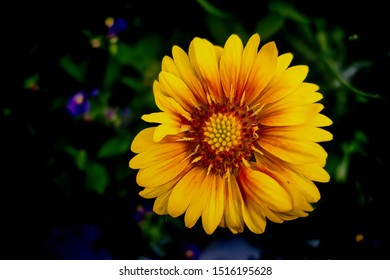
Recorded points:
(77, 71)
(80, 156)
(303, 47)
(212, 10)
(357, 145)
(7, 112)
(342, 168)
(97, 178)
(287, 11)
(141, 55)
(221, 29)
(269, 26)
(113, 70)
(332, 67)
(115, 146)
(81, 159)
(135, 84)
(31, 82)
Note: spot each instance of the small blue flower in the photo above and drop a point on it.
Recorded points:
(126, 115)
(142, 211)
(94, 92)
(115, 26)
(78, 104)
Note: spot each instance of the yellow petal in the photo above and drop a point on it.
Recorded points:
(263, 70)
(263, 189)
(248, 58)
(298, 132)
(298, 183)
(201, 198)
(213, 211)
(320, 120)
(272, 215)
(167, 129)
(194, 65)
(306, 188)
(292, 151)
(304, 94)
(156, 191)
(230, 65)
(161, 203)
(168, 104)
(254, 220)
(162, 117)
(168, 65)
(162, 172)
(291, 115)
(185, 192)
(232, 216)
(301, 189)
(287, 82)
(293, 214)
(178, 90)
(170, 125)
(188, 74)
(283, 62)
(143, 140)
(158, 153)
(208, 64)
(314, 172)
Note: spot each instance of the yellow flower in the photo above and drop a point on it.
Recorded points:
(237, 140)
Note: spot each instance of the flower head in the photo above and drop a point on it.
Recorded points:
(78, 104)
(115, 26)
(238, 137)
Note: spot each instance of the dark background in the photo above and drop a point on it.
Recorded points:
(50, 211)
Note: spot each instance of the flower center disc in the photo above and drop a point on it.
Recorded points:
(222, 137)
(222, 132)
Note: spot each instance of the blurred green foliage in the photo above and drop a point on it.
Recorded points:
(89, 153)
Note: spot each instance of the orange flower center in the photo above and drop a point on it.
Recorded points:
(222, 137)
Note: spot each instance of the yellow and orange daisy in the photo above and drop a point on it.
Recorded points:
(237, 140)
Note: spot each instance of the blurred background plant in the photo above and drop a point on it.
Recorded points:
(84, 81)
